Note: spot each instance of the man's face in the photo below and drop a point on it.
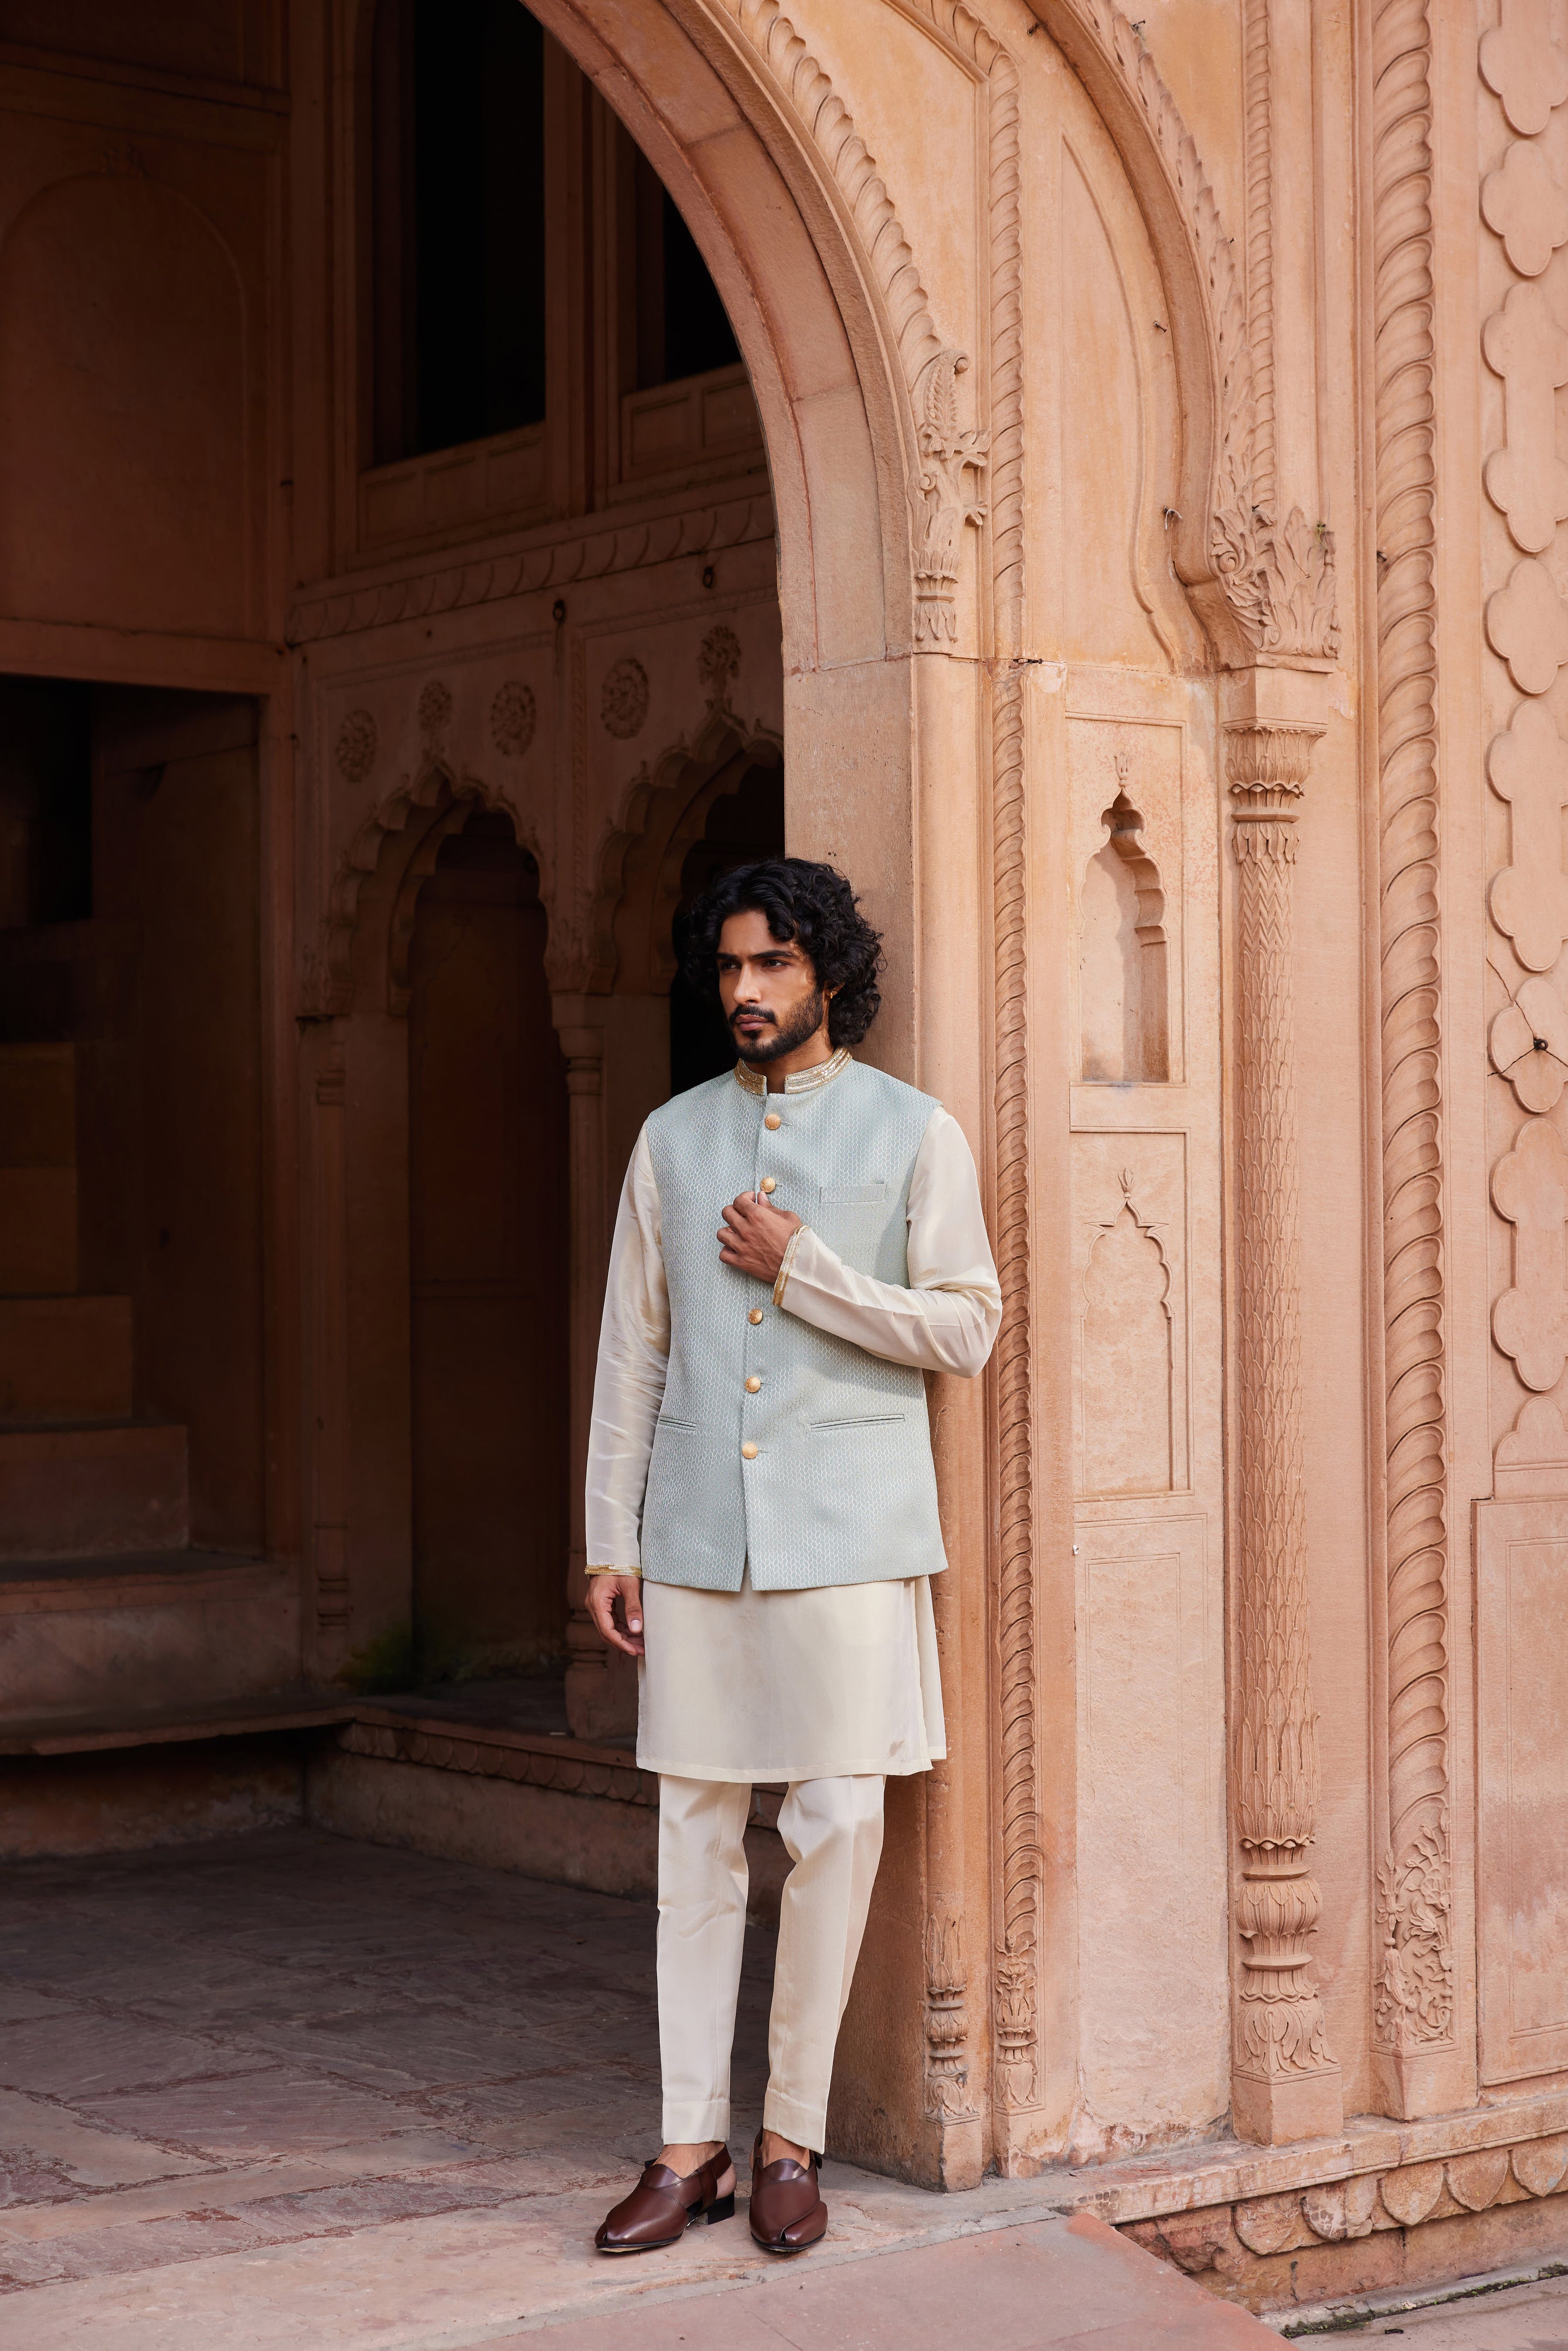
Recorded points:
(767, 988)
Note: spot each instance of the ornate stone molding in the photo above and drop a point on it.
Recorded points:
(1016, 2019)
(341, 606)
(950, 457)
(944, 453)
(1219, 2239)
(1413, 1983)
(831, 126)
(1277, 572)
(1285, 2085)
(1257, 36)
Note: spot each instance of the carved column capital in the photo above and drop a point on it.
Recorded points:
(1266, 762)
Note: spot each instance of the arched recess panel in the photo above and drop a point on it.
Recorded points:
(1122, 785)
(122, 337)
(487, 1255)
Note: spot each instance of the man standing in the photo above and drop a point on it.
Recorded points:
(762, 1517)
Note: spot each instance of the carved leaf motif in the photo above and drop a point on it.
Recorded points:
(1540, 2165)
(1342, 2209)
(1271, 2224)
(949, 456)
(1411, 2192)
(1415, 2000)
(1477, 2180)
(1280, 578)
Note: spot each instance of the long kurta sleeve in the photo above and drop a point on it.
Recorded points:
(633, 1357)
(946, 1320)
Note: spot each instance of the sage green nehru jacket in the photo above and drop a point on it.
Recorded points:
(778, 1443)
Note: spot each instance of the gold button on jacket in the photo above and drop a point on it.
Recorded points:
(755, 1315)
(749, 1452)
(772, 1121)
(752, 1384)
(771, 1184)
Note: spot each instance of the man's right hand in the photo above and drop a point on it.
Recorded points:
(615, 1604)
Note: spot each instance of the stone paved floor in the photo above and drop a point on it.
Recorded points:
(293, 2093)
(296, 2093)
(1478, 2317)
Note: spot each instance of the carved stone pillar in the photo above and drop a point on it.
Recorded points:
(1285, 2084)
(330, 1625)
(601, 1685)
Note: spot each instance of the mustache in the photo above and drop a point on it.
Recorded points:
(752, 1012)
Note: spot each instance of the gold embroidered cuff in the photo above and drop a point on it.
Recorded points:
(790, 1247)
(613, 1571)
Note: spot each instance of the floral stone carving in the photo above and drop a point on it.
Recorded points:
(356, 747)
(717, 662)
(513, 718)
(434, 709)
(623, 698)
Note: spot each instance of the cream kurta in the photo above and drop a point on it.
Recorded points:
(753, 1686)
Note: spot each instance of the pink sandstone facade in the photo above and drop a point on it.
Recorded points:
(1129, 541)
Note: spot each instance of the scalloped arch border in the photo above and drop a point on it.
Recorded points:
(328, 993)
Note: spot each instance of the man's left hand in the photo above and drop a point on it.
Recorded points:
(755, 1237)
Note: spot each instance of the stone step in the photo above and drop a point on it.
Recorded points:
(37, 1106)
(91, 1644)
(93, 1489)
(65, 1359)
(37, 1232)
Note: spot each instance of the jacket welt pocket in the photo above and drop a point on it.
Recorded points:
(861, 1420)
(853, 1195)
(671, 1420)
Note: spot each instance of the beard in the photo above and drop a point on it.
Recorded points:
(798, 1029)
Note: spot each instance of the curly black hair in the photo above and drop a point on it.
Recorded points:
(801, 901)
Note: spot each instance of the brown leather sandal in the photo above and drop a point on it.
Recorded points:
(663, 2207)
(786, 2209)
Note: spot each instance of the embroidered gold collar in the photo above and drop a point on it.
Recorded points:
(799, 1082)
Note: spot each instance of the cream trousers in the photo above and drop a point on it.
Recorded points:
(832, 1832)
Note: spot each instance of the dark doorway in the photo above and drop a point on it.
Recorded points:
(488, 1220)
(744, 823)
(131, 1118)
